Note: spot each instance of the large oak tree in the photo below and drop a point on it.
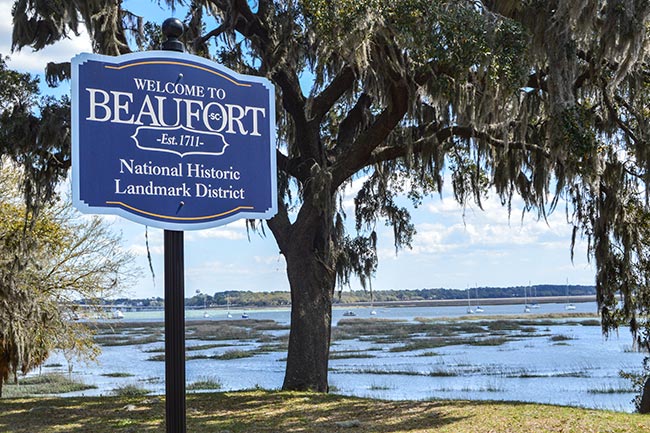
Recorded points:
(541, 99)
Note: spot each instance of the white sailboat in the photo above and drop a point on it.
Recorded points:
(526, 306)
(205, 297)
(469, 304)
(569, 306)
(478, 308)
(534, 305)
(228, 314)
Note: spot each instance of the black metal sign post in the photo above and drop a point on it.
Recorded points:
(174, 293)
(174, 332)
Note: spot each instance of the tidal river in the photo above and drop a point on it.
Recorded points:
(416, 353)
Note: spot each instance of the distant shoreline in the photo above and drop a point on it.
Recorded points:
(377, 304)
(479, 301)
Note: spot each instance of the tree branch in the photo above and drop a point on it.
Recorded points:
(213, 33)
(293, 101)
(328, 97)
(292, 98)
(350, 125)
(617, 119)
(280, 226)
(356, 156)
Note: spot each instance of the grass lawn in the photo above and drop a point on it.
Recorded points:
(284, 412)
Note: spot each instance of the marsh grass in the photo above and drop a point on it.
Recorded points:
(347, 354)
(127, 340)
(442, 373)
(155, 350)
(427, 334)
(227, 355)
(380, 387)
(492, 341)
(51, 383)
(232, 329)
(143, 327)
(429, 353)
(270, 348)
(220, 331)
(423, 343)
(560, 337)
(234, 354)
(526, 374)
(482, 388)
(432, 343)
(203, 384)
(197, 356)
(382, 371)
(118, 374)
(204, 346)
(151, 380)
(129, 391)
(611, 390)
(158, 358)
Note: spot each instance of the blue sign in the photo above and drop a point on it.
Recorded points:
(172, 140)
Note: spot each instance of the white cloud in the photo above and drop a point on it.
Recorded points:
(233, 231)
(278, 261)
(350, 192)
(141, 249)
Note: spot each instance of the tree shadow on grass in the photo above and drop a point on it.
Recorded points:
(239, 412)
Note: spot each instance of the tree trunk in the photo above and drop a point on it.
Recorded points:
(312, 278)
(644, 405)
(311, 321)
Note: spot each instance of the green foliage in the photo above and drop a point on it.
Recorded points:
(448, 33)
(46, 262)
(38, 143)
(576, 130)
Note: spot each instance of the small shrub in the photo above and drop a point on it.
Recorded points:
(204, 384)
(130, 391)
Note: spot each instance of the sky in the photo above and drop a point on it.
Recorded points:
(452, 249)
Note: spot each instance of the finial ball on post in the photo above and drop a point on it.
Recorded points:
(172, 29)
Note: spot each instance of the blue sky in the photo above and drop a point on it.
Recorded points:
(484, 248)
